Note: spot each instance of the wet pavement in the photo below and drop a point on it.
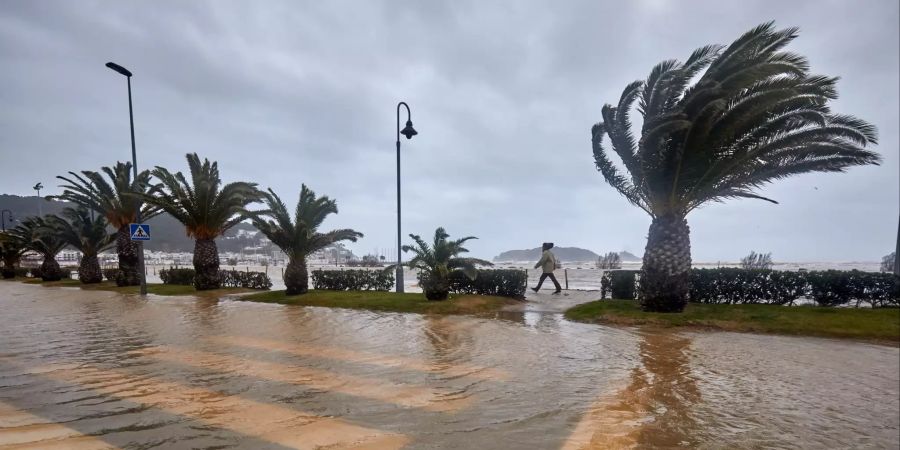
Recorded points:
(98, 370)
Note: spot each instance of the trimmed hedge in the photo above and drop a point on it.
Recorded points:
(622, 284)
(353, 280)
(228, 278)
(731, 285)
(247, 280)
(499, 282)
(728, 285)
(181, 276)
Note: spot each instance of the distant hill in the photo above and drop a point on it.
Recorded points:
(629, 257)
(567, 254)
(168, 234)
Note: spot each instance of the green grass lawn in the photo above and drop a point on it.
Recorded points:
(371, 300)
(152, 288)
(881, 324)
(386, 301)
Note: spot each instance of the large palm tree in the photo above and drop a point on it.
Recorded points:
(88, 235)
(755, 115)
(36, 234)
(11, 250)
(111, 197)
(301, 237)
(205, 208)
(435, 262)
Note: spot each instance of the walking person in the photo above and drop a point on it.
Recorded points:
(548, 263)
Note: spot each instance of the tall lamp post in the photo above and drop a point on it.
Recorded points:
(409, 132)
(38, 188)
(140, 245)
(3, 214)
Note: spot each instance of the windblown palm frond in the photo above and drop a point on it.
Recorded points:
(755, 115)
(300, 236)
(76, 227)
(442, 256)
(37, 234)
(112, 195)
(205, 207)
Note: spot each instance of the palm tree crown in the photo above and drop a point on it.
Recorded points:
(754, 116)
(36, 234)
(113, 198)
(76, 227)
(442, 256)
(205, 207)
(301, 237)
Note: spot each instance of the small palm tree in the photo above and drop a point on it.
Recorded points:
(301, 237)
(111, 196)
(89, 235)
(36, 234)
(11, 250)
(435, 262)
(754, 116)
(205, 208)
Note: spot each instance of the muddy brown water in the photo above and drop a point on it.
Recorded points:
(97, 370)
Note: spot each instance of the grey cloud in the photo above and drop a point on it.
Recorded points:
(503, 94)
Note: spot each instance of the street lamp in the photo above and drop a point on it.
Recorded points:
(3, 214)
(140, 245)
(38, 188)
(409, 132)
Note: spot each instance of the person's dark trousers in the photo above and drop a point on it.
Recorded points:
(544, 276)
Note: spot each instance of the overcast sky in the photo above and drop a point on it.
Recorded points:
(503, 95)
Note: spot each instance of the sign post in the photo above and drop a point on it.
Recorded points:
(139, 233)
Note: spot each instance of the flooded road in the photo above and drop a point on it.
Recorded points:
(98, 370)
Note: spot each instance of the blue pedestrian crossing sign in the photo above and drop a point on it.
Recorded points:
(140, 232)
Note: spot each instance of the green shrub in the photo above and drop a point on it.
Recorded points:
(500, 282)
(836, 287)
(227, 278)
(180, 276)
(21, 272)
(35, 272)
(353, 280)
(621, 284)
(247, 280)
(827, 288)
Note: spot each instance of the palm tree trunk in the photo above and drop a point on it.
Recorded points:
(50, 270)
(89, 270)
(666, 274)
(296, 277)
(127, 250)
(206, 265)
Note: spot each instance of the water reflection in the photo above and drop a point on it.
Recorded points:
(86, 368)
(669, 391)
(655, 409)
